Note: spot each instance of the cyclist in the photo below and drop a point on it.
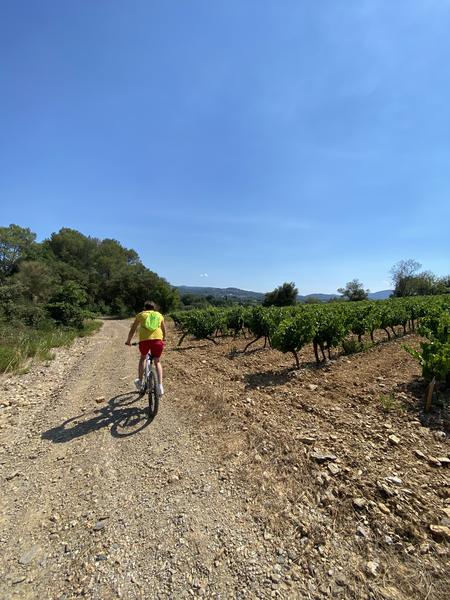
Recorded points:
(149, 340)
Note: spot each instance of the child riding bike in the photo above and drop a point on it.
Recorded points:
(152, 334)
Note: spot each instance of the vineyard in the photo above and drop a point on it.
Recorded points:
(349, 326)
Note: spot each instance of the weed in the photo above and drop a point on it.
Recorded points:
(352, 346)
(390, 404)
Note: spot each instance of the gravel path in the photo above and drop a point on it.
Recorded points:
(98, 502)
(254, 480)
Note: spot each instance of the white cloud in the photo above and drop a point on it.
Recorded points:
(204, 275)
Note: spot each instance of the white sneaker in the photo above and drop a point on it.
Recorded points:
(161, 389)
(137, 383)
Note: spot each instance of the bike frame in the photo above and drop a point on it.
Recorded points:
(151, 387)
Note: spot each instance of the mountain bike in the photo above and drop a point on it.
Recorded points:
(150, 384)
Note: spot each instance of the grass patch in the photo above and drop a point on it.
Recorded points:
(353, 346)
(21, 343)
(90, 327)
(390, 404)
(9, 359)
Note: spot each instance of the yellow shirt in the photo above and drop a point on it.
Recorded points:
(144, 333)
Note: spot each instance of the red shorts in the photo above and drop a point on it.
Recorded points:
(155, 347)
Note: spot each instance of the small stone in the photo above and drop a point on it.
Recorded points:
(307, 440)
(439, 435)
(384, 509)
(394, 480)
(419, 454)
(444, 460)
(440, 532)
(312, 386)
(372, 568)
(394, 440)
(385, 490)
(363, 531)
(334, 469)
(359, 502)
(99, 525)
(100, 399)
(101, 557)
(320, 458)
(434, 462)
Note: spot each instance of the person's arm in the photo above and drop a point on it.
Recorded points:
(132, 331)
(163, 329)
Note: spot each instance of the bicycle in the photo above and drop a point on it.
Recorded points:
(150, 385)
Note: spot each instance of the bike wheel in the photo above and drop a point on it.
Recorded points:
(153, 393)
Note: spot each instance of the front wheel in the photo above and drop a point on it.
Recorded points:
(153, 394)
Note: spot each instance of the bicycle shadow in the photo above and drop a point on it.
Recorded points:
(120, 414)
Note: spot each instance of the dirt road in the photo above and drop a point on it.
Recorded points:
(97, 502)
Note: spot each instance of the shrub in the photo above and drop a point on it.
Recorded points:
(353, 346)
(9, 359)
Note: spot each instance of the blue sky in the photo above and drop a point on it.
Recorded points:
(233, 142)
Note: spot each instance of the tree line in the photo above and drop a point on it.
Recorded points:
(406, 278)
(70, 275)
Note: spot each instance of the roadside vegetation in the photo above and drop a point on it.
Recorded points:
(53, 291)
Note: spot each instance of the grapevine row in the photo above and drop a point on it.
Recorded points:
(324, 326)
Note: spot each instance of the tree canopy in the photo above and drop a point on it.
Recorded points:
(16, 243)
(354, 291)
(70, 270)
(408, 281)
(284, 295)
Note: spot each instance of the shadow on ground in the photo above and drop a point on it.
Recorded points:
(121, 415)
(267, 379)
(438, 418)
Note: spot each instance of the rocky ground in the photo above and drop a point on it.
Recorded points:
(255, 480)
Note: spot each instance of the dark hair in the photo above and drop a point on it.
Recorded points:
(149, 305)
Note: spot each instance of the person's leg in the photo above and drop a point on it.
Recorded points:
(159, 370)
(144, 347)
(157, 347)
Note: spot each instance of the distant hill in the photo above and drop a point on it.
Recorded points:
(381, 295)
(229, 292)
(238, 294)
(321, 297)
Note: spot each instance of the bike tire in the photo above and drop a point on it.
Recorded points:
(153, 393)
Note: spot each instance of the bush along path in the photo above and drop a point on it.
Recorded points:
(255, 480)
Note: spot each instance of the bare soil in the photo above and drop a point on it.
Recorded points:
(255, 480)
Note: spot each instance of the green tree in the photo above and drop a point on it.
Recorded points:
(16, 243)
(402, 274)
(37, 280)
(284, 295)
(66, 306)
(354, 291)
(409, 282)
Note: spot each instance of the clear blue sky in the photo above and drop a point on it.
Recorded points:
(251, 141)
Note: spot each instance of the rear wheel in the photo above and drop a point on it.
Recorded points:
(153, 393)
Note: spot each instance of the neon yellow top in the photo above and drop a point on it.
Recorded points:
(144, 333)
